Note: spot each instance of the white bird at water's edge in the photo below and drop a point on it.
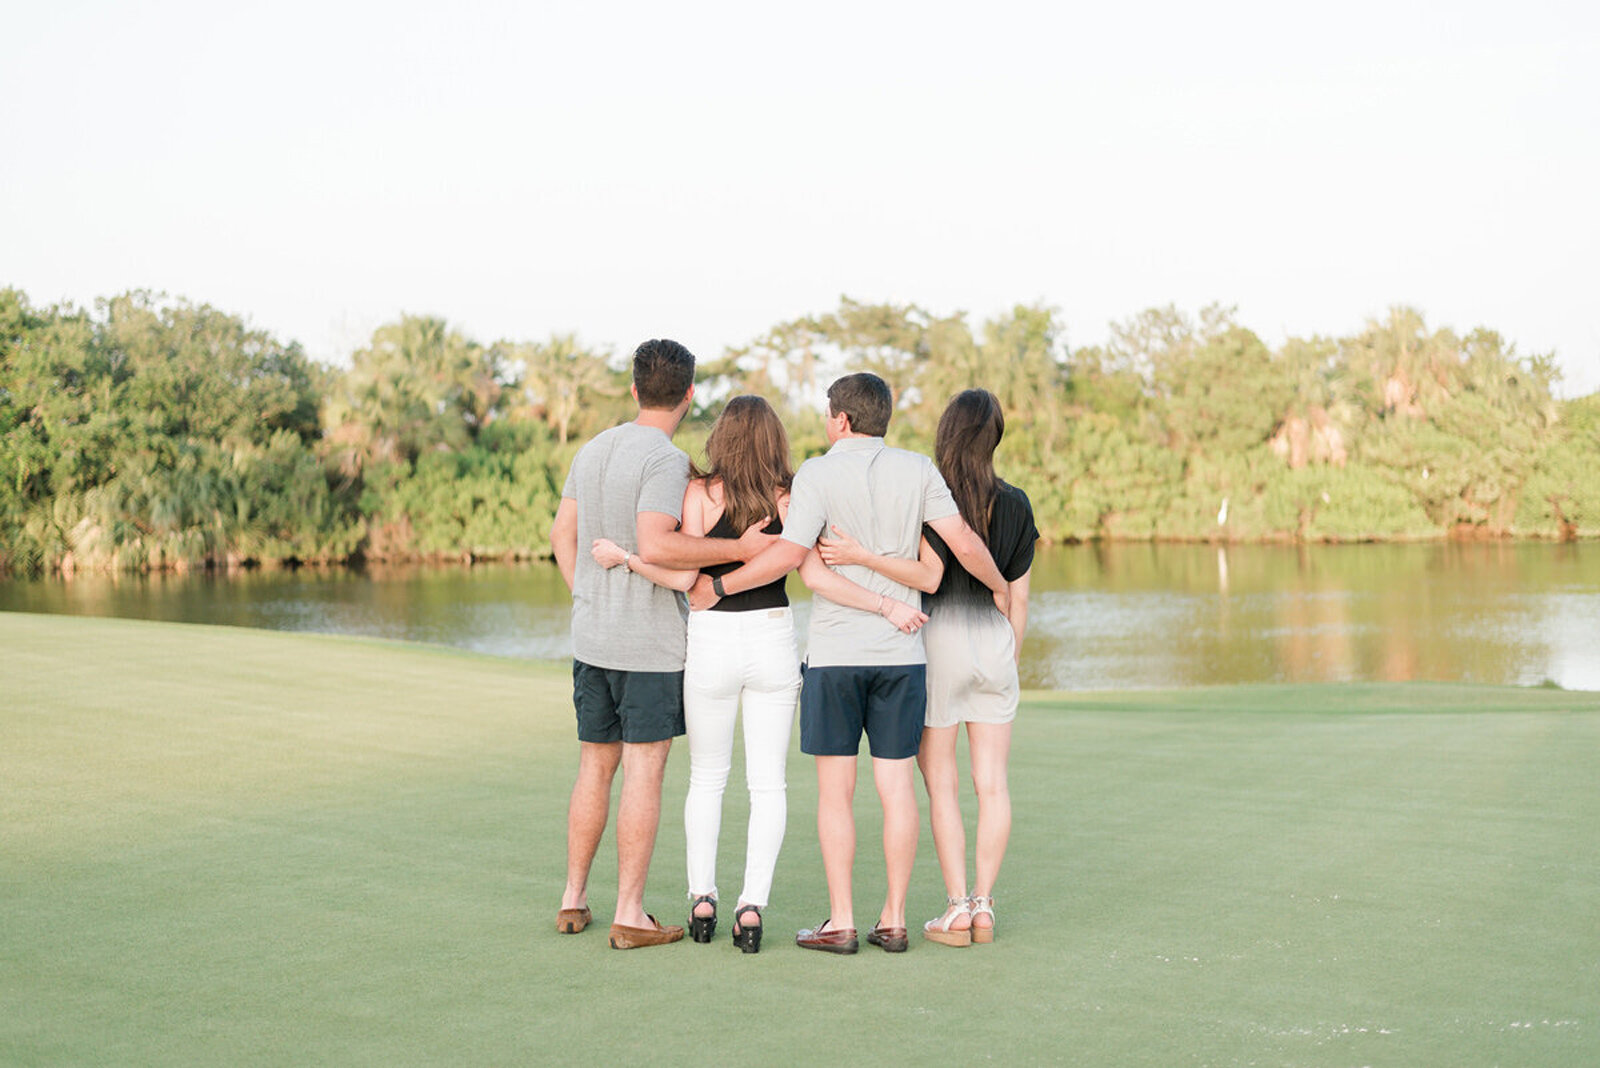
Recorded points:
(1222, 513)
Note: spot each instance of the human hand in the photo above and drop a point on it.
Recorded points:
(752, 542)
(903, 616)
(608, 553)
(701, 595)
(841, 549)
(1002, 601)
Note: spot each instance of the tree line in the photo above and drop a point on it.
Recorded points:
(150, 432)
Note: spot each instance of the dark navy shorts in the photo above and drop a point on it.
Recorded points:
(626, 706)
(838, 703)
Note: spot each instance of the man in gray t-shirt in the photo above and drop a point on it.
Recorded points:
(863, 673)
(628, 634)
(619, 622)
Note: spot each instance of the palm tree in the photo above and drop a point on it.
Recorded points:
(560, 378)
(417, 386)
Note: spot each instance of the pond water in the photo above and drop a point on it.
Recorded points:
(1122, 616)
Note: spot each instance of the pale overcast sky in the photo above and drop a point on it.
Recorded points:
(704, 171)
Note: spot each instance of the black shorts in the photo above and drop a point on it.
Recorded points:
(626, 706)
(838, 703)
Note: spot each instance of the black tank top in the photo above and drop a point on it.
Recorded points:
(772, 595)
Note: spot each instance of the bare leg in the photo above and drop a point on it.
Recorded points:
(898, 794)
(587, 813)
(937, 759)
(991, 751)
(638, 815)
(836, 833)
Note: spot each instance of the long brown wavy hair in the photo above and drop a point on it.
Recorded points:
(748, 452)
(963, 447)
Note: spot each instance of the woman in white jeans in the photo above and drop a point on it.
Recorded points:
(741, 650)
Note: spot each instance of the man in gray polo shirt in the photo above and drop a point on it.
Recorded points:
(628, 633)
(862, 672)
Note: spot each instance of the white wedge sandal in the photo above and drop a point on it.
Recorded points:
(982, 906)
(939, 930)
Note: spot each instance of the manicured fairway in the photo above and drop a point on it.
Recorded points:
(227, 847)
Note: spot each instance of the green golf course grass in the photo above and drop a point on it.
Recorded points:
(230, 847)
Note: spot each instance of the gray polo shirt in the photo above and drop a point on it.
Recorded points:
(881, 497)
(620, 620)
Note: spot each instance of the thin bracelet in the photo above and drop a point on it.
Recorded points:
(881, 600)
(627, 562)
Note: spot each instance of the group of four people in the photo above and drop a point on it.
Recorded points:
(868, 527)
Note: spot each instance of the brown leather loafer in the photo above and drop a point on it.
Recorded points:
(892, 939)
(842, 940)
(639, 937)
(571, 921)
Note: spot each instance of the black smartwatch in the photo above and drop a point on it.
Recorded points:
(716, 586)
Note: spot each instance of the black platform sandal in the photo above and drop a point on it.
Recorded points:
(746, 937)
(701, 928)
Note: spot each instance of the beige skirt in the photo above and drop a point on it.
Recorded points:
(972, 668)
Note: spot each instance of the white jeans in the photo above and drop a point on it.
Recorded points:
(731, 654)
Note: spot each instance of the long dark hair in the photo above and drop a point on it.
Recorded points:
(748, 451)
(969, 431)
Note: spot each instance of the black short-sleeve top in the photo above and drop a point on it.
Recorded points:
(1012, 535)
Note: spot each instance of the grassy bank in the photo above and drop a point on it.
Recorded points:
(236, 847)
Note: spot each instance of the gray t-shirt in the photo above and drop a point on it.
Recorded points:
(881, 497)
(620, 620)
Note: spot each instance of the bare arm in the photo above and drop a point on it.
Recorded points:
(778, 560)
(609, 554)
(823, 581)
(1018, 612)
(974, 556)
(660, 542)
(564, 538)
(923, 573)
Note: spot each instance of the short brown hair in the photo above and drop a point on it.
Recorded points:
(866, 399)
(663, 371)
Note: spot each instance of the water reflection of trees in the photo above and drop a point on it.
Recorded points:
(1103, 616)
(1158, 615)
